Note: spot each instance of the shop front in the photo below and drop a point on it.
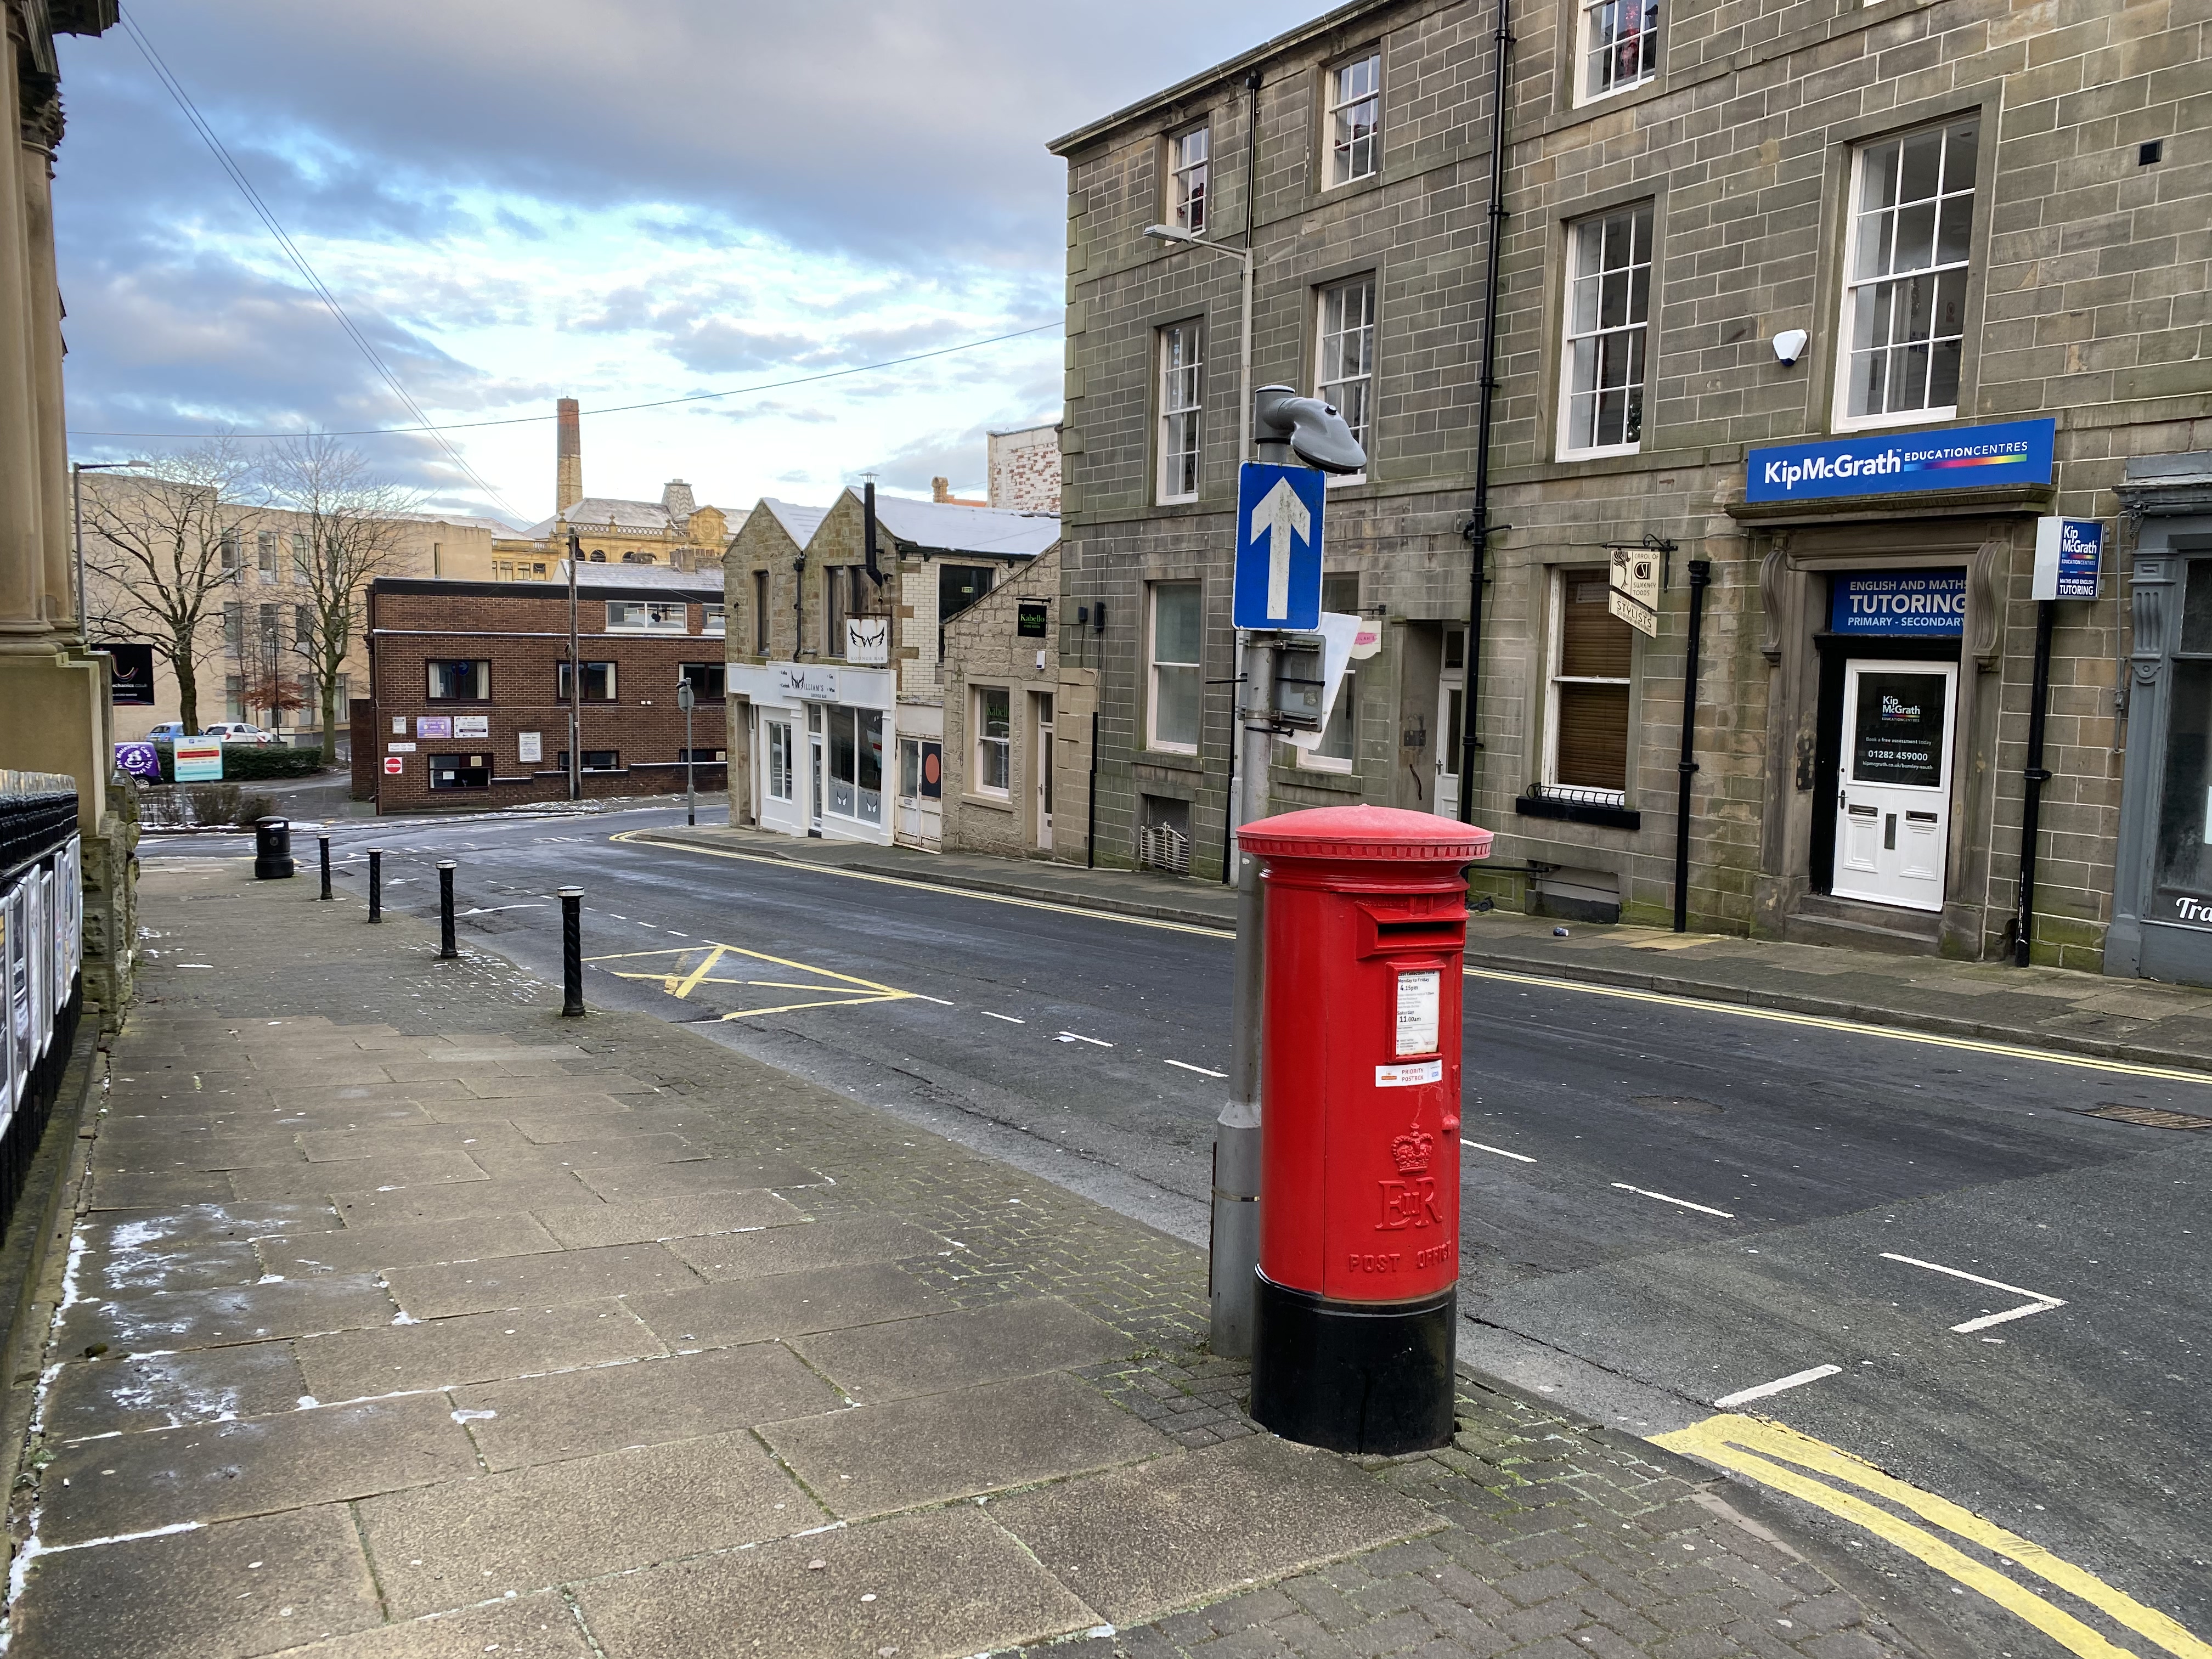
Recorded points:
(2162, 885)
(1882, 585)
(819, 736)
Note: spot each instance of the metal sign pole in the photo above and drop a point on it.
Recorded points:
(687, 699)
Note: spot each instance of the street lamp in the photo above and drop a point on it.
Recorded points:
(77, 470)
(1245, 258)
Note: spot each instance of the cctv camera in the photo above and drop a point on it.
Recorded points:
(1790, 345)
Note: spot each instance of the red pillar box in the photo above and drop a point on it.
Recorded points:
(1354, 1310)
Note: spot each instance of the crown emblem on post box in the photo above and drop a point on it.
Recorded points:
(1410, 1152)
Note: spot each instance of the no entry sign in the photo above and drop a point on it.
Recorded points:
(394, 764)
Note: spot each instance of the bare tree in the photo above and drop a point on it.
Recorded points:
(163, 545)
(352, 529)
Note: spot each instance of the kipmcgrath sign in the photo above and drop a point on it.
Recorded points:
(1891, 463)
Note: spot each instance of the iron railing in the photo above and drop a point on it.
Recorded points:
(41, 962)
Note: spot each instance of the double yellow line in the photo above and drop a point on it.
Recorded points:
(1788, 1461)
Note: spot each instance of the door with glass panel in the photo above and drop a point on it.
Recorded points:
(1894, 787)
(1452, 710)
(1040, 767)
(814, 768)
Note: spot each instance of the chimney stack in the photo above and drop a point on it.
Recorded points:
(569, 453)
(676, 498)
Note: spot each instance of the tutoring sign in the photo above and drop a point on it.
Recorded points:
(1894, 463)
(1925, 602)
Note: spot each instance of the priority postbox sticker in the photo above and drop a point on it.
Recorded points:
(1406, 1077)
(1420, 997)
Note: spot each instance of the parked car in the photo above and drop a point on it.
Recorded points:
(238, 732)
(166, 732)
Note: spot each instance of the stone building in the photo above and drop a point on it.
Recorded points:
(675, 530)
(54, 690)
(1017, 722)
(468, 689)
(837, 726)
(1831, 301)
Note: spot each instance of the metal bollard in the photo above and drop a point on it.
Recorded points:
(323, 849)
(571, 951)
(445, 950)
(376, 883)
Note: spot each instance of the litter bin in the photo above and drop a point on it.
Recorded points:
(273, 848)
(1355, 1308)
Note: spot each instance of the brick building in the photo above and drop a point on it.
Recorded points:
(1935, 236)
(469, 700)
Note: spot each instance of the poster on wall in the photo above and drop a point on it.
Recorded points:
(933, 771)
(530, 747)
(472, 726)
(434, 725)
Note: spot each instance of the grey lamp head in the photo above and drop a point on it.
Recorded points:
(1315, 431)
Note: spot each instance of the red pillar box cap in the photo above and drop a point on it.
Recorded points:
(1365, 833)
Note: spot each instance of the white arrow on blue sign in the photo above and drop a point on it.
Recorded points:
(1278, 548)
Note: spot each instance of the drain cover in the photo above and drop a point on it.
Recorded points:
(1673, 1103)
(2149, 1117)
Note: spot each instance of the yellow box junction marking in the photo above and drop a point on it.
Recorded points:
(694, 966)
(1760, 1450)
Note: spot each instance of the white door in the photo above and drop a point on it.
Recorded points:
(1452, 705)
(1894, 794)
(1041, 765)
(907, 825)
(814, 778)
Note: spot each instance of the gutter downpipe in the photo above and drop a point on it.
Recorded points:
(575, 679)
(1479, 527)
(1701, 575)
(2034, 776)
(1252, 81)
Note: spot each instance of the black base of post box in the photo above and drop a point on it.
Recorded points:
(1352, 1377)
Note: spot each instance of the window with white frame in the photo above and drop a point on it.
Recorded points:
(1619, 48)
(1608, 312)
(1175, 628)
(1586, 721)
(1345, 374)
(778, 744)
(264, 549)
(1182, 374)
(1905, 295)
(303, 560)
(646, 616)
(713, 618)
(1188, 154)
(994, 732)
(1355, 119)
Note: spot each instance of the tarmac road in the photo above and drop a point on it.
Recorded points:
(1666, 1203)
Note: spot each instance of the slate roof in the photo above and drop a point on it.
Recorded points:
(941, 527)
(799, 523)
(602, 512)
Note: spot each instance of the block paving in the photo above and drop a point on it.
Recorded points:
(668, 1353)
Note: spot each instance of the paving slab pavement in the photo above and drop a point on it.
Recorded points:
(2141, 1021)
(854, 1390)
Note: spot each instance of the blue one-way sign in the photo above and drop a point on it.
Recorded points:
(1278, 548)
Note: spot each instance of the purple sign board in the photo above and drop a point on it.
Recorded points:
(141, 761)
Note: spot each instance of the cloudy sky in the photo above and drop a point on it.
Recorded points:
(517, 200)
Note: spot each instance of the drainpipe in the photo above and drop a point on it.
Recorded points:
(1479, 527)
(868, 531)
(2030, 811)
(1701, 575)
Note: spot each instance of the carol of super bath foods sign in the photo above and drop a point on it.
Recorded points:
(1897, 463)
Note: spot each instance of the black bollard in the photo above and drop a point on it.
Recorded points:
(445, 950)
(571, 951)
(376, 883)
(323, 848)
